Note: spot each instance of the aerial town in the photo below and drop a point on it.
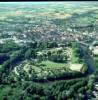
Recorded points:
(49, 51)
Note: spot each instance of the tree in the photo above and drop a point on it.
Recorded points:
(49, 54)
(28, 54)
(34, 55)
(3, 57)
(52, 44)
(9, 46)
(64, 97)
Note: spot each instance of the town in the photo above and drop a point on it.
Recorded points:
(49, 51)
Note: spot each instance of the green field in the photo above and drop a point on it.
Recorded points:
(74, 59)
(96, 63)
(50, 64)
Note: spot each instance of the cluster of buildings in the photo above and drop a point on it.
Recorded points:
(94, 48)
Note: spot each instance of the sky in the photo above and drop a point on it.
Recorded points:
(50, 2)
(43, 2)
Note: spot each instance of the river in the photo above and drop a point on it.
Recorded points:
(88, 59)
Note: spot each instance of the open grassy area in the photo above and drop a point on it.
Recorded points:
(51, 64)
(96, 63)
(76, 67)
(74, 59)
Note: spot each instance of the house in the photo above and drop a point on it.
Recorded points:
(95, 48)
(95, 51)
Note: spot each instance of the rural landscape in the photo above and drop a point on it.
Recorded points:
(49, 50)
